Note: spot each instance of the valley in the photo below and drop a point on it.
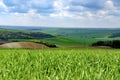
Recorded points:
(58, 36)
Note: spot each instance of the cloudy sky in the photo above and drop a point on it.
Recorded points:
(61, 13)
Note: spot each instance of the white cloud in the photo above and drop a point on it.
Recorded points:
(3, 6)
(54, 12)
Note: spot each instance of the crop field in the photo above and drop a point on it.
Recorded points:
(60, 64)
(59, 36)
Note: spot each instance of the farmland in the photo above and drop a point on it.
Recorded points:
(79, 36)
(73, 59)
(60, 64)
(59, 36)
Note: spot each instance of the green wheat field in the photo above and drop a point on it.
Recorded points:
(60, 64)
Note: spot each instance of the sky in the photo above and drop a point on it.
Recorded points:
(61, 13)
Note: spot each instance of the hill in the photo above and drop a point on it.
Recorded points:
(61, 36)
(27, 45)
(79, 36)
(23, 35)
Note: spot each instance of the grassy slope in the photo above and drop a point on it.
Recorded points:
(72, 37)
(78, 37)
(59, 64)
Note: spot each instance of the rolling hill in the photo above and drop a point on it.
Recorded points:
(61, 36)
(26, 45)
(4, 34)
(79, 36)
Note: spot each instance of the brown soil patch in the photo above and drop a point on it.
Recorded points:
(27, 45)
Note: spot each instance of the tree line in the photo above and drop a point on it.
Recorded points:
(113, 43)
(23, 35)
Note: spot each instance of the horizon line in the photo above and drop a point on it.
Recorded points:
(2, 26)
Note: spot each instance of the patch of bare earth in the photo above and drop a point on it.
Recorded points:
(27, 45)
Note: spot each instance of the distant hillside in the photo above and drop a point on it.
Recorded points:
(23, 35)
(114, 35)
(58, 36)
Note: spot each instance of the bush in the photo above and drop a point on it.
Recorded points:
(47, 44)
(113, 44)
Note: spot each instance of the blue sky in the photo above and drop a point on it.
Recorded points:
(61, 13)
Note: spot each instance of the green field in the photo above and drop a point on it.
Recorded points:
(63, 36)
(78, 36)
(60, 64)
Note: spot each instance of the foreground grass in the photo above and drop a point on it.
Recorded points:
(59, 64)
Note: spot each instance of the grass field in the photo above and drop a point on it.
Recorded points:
(78, 36)
(60, 64)
(67, 36)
